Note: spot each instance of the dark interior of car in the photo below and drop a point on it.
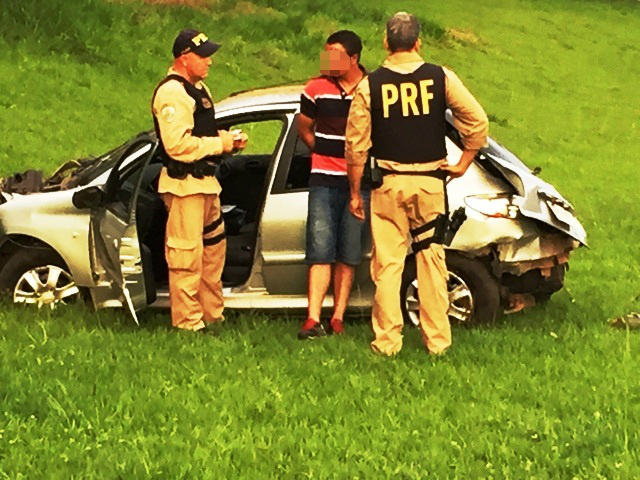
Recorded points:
(242, 178)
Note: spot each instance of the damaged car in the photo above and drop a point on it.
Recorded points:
(96, 227)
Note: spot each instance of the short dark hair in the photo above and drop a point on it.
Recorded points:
(403, 31)
(349, 40)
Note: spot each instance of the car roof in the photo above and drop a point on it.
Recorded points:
(261, 97)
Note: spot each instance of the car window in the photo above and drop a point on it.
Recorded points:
(263, 135)
(99, 167)
(125, 179)
(299, 168)
(244, 175)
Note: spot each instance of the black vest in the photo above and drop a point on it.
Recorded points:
(204, 117)
(408, 114)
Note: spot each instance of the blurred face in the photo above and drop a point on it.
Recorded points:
(335, 61)
(197, 67)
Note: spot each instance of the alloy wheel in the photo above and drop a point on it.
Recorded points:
(45, 286)
(460, 301)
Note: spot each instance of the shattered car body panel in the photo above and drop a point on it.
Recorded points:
(109, 232)
(542, 201)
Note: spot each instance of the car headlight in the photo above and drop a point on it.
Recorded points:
(501, 205)
(553, 197)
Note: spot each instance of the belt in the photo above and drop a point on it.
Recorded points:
(439, 174)
(199, 169)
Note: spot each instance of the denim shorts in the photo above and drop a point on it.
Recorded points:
(333, 233)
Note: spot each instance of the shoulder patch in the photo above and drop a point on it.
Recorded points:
(168, 113)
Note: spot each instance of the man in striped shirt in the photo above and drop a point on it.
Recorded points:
(334, 235)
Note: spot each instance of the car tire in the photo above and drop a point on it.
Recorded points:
(38, 276)
(475, 288)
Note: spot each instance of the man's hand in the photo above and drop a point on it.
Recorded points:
(306, 130)
(356, 206)
(240, 140)
(227, 141)
(454, 171)
(457, 170)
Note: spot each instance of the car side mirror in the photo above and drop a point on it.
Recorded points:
(89, 197)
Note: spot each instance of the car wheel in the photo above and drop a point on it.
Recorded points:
(474, 293)
(38, 277)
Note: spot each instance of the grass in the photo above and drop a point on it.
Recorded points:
(548, 393)
(94, 396)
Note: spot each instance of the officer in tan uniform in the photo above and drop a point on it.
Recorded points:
(184, 119)
(398, 117)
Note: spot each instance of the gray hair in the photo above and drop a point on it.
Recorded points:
(403, 30)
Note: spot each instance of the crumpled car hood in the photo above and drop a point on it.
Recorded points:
(541, 201)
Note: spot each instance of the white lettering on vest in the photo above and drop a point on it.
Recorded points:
(389, 97)
(408, 96)
(409, 93)
(425, 94)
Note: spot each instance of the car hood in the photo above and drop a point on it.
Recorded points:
(41, 202)
(540, 200)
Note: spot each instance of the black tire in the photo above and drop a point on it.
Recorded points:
(38, 260)
(472, 276)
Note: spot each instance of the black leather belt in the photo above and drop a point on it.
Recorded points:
(439, 174)
(198, 169)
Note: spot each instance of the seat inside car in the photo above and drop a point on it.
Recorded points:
(242, 178)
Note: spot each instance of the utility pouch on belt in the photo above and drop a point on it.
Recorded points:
(176, 169)
(373, 173)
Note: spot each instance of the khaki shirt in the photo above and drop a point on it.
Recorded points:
(469, 117)
(173, 109)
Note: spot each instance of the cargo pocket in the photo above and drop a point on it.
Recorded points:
(441, 261)
(430, 199)
(183, 254)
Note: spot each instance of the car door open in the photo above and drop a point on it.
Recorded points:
(117, 251)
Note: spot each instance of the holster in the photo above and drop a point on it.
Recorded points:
(441, 228)
(444, 227)
(372, 173)
(453, 225)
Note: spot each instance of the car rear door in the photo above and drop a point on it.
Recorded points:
(284, 223)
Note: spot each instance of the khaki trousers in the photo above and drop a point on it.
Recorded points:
(407, 202)
(195, 252)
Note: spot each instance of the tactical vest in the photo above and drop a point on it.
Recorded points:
(408, 114)
(204, 117)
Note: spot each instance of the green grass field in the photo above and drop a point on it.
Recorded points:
(552, 392)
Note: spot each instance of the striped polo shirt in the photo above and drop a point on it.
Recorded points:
(325, 101)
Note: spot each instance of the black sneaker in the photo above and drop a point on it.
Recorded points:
(311, 329)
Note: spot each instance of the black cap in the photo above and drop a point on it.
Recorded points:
(193, 41)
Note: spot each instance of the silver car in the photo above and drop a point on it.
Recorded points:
(97, 226)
